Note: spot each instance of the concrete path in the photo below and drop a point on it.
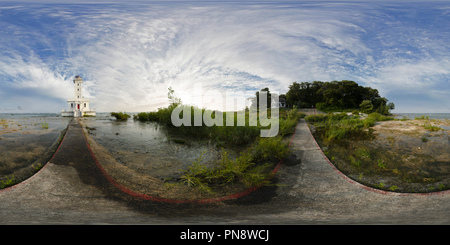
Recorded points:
(70, 189)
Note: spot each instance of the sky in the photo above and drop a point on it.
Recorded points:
(129, 53)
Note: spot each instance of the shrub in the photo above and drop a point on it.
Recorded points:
(143, 116)
(315, 118)
(366, 106)
(378, 117)
(270, 147)
(120, 115)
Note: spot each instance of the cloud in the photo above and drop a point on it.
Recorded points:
(129, 54)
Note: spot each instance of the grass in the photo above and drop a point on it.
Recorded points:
(431, 127)
(381, 164)
(393, 188)
(427, 124)
(8, 181)
(251, 168)
(44, 125)
(335, 127)
(224, 135)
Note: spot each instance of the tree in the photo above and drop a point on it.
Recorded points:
(391, 106)
(366, 106)
(335, 96)
(173, 99)
(293, 95)
(255, 100)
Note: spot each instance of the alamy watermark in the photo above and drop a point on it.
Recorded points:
(181, 115)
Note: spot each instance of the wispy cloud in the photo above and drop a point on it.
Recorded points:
(129, 54)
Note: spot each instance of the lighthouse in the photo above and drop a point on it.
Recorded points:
(78, 106)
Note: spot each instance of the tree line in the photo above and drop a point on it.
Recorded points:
(337, 96)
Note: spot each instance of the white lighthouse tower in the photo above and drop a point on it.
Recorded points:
(78, 106)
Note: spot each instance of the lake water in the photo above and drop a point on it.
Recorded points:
(429, 115)
(147, 147)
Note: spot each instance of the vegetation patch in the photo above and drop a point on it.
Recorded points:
(120, 115)
(256, 157)
(378, 151)
(335, 96)
(8, 181)
(253, 167)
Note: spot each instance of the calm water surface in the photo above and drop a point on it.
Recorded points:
(429, 115)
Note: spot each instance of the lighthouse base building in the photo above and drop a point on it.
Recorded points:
(78, 106)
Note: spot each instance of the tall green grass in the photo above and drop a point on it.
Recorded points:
(227, 135)
(251, 168)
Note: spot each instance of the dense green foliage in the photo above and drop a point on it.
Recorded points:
(337, 96)
(120, 115)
